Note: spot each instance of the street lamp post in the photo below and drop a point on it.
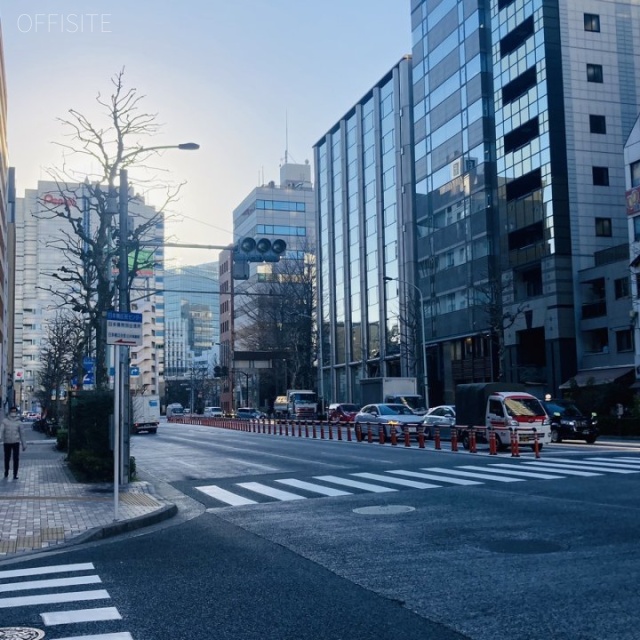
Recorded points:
(425, 373)
(121, 395)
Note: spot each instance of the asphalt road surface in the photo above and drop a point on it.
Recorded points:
(296, 538)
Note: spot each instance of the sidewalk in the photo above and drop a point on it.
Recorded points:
(46, 508)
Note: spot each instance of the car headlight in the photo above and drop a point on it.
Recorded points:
(393, 422)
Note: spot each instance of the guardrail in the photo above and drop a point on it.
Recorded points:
(367, 432)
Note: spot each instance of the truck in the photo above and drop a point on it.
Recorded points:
(392, 391)
(280, 407)
(502, 407)
(146, 413)
(302, 404)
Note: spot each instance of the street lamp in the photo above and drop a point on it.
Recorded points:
(424, 342)
(121, 395)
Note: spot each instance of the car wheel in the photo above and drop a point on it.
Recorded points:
(590, 439)
(555, 436)
(540, 445)
(466, 443)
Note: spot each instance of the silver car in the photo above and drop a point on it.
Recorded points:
(389, 415)
(444, 417)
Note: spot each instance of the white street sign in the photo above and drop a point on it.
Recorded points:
(124, 329)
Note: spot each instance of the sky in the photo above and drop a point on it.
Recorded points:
(245, 79)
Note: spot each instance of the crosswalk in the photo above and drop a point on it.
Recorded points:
(251, 493)
(60, 601)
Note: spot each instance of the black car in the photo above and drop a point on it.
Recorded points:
(569, 423)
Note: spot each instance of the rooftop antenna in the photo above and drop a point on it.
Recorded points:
(286, 135)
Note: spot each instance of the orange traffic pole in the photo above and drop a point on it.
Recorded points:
(493, 449)
(436, 438)
(407, 437)
(536, 444)
(454, 439)
(421, 437)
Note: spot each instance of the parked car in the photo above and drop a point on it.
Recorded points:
(342, 412)
(569, 423)
(213, 412)
(389, 415)
(249, 413)
(443, 417)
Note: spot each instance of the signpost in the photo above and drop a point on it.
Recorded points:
(124, 330)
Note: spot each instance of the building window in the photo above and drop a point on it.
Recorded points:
(624, 340)
(603, 227)
(591, 22)
(594, 73)
(636, 228)
(600, 176)
(635, 174)
(621, 286)
(597, 124)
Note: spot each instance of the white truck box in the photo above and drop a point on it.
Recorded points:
(146, 413)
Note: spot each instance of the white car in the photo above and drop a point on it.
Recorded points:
(213, 412)
(443, 417)
(388, 415)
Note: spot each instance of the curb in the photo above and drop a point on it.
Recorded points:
(125, 526)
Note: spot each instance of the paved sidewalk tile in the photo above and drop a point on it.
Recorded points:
(46, 507)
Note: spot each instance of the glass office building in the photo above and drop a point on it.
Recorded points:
(521, 111)
(364, 177)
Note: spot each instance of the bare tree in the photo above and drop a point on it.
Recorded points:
(283, 320)
(65, 338)
(89, 238)
(491, 296)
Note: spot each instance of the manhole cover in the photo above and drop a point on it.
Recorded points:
(388, 510)
(524, 546)
(20, 633)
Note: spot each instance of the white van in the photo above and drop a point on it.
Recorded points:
(213, 412)
(174, 409)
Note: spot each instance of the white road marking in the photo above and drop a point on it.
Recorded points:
(225, 496)
(564, 469)
(45, 584)
(602, 462)
(627, 462)
(80, 615)
(405, 483)
(472, 474)
(516, 470)
(431, 476)
(315, 488)
(102, 636)
(75, 596)
(40, 571)
(263, 489)
(365, 486)
(588, 466)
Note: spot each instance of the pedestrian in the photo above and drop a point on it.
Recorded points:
(12, 436)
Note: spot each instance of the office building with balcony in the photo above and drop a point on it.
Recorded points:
(368, 305)
(521, 113)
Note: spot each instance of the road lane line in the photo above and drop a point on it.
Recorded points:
(592, 466)
(223, 495)
(563, 469)
(102, 636)
(76, 596)
(51, 618)
(264, 490)
(365, 486)
(603, 462)
(46, 584)
(405, 483)
(515, 470)
(315, 488)
(472, 474)
(431, 476)
(41, 571)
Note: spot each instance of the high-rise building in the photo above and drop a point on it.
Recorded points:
(40, 252)
(275, 212)
(368, 302)
(521, 113)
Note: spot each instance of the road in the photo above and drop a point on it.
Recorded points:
(282, 537)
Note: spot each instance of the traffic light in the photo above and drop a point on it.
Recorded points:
(262, 250)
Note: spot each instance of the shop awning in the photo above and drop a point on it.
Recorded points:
(598, 375)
